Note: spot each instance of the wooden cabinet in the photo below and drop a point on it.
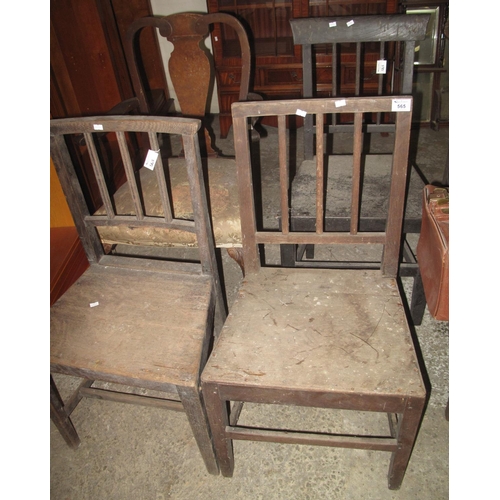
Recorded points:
(278, 62)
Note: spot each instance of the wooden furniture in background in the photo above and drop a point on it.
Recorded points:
(67, 257)
(322, 338)
(278, 62)
(132, 321)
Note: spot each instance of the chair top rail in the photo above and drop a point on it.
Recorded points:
(374, 28)
(118, 123)
(324, 105)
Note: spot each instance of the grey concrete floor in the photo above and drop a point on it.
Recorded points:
(131, 452)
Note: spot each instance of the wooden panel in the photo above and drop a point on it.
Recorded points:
(77, 28)
(67, 260)
(60, 216)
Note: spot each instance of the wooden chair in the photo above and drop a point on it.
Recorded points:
(192, 75)
(323, 338)
(133, 320)
(362, 41)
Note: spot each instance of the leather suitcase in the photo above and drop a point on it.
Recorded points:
(433, 250)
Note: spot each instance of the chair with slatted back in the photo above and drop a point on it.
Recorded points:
(361, 42)
(136, 322)
(191, 71)
(327, 338)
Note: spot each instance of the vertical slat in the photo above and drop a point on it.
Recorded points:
(409, 59)
(358, 68)
(160, 177)
(381, 75)
(284, 175)
(334, 70)
(129, 171)
(390, 258)
(356, 172)
(246, 194)
(319, 174)
(381, 78)
(101, 182)
(308, 92)
(334, 79)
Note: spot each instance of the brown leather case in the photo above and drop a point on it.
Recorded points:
(433, 250)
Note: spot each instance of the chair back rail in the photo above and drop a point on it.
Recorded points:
(401, 28)
(359, 106)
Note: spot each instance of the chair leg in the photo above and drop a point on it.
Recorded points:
(218, 416)
(407, 434)
(418, 302)
(191, 399)
(60, 418)
(236, 254)
(287, 254)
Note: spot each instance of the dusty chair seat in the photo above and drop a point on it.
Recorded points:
(223, 201)
(333, 327)
(143, 354)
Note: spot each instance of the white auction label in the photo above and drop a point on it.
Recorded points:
(301, 113)
(401, 104)
(339, 104)
(350, 23)
(381, 67)
(332, 24)
(151, 158)
(98, 126)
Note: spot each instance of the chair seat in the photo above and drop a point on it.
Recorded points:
(224, 206)
(148, 326)
(323, 331)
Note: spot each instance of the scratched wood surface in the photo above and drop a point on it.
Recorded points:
(344, 331)
(148, 326)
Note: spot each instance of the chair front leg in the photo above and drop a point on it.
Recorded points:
(192, 402)
(408, 427)
(218, 417)
(60, 418)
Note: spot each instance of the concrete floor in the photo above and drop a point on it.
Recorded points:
(130, 452)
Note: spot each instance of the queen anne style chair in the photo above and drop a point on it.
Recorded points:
(130, 321)
(192, 76)
(323, 338)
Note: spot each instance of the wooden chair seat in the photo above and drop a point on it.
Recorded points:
(335, 333)
(149, 343)
(223, 200)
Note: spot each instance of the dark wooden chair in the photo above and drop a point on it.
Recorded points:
(361, 41)
(192, 74)
(323, 338)
(132, 320)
